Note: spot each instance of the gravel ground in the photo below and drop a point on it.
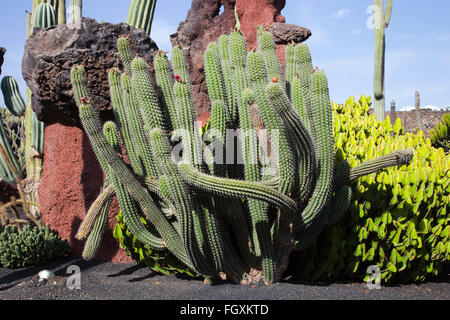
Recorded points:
(110, 281)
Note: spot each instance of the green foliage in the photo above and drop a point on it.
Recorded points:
(440, 134)
(158, 261)
(30, 246)
(398, 218)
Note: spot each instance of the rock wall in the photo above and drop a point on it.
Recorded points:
(409, 119)
(71, 181)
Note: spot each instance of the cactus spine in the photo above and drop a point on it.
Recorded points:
(382, 19)
(216, 218)
(140, 14)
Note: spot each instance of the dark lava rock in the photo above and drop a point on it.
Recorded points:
(50, 53)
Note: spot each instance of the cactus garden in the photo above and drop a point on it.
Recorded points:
(275, 181)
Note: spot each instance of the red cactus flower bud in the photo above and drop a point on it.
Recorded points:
(275, 80)
(83, 99)
(177, 78)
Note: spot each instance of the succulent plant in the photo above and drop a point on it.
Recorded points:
(30, 246)
(214, 214)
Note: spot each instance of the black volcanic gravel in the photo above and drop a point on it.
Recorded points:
(111, 281)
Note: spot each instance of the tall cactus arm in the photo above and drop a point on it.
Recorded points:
(192, 145)
(304, 142)
(140, 14)
(139, 140)
(172, 183)
(147, 96)
(95, 234)
(397, 158)
(94, 211)
(75, 10)
(291, 68)
(214, 77)
(258, 209)
(61, 11)
(44, 16)
(122, 121)
(281, 147)
(388, 13)
(179, 65)
(266, 44)
(224, 44)
(342, 199)
(164, 80)
(94, 239)
(234, 188)
(13, 99)
(91, 123)
(125, 53)
(303, 104)
(325, 156)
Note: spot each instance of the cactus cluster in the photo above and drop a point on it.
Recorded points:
(220, 207)
(30, 246)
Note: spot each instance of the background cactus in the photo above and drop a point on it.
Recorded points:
(178, 206)
(382, 19)
(140, 14)
(75, 10)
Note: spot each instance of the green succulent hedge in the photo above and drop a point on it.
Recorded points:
(440, 134)
(30, 246)
(399, 217)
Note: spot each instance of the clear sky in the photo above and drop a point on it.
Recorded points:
(342, 44)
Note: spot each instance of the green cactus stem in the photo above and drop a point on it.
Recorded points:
(44, 16)
(382, 19)
(13, 99)
(397, 158)
(140, 14)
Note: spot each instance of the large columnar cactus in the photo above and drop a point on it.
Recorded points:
(217, 215)
(59, 7)
(75, 10)
(382, 19)
(140, 14)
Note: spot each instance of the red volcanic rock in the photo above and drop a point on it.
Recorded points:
(72, 179)
(204, 24)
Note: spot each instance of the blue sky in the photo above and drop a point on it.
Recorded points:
(417, 48)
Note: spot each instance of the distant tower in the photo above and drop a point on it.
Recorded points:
(418, 113)
(393, 114)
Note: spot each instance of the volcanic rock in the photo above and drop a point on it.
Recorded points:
(50, 53)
